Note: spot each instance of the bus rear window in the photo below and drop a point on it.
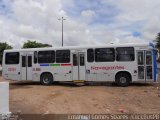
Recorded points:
(12, 58)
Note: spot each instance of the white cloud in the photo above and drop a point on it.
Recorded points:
(145, 12)
(87, 15)
(38, 20)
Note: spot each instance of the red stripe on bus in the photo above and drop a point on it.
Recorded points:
(65, 64)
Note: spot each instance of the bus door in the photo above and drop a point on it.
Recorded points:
(26, 67)
(78, 66)
(145, 65)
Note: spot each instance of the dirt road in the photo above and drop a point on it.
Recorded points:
(31, 97)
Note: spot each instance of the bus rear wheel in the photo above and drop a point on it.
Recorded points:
(46, 79)
(123, 79)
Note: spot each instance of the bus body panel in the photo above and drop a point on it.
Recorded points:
(11, 71)
(36, 72)
(77, 69)
(107, 71)
(62, 73)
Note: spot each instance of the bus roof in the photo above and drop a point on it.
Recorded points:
(81, 47)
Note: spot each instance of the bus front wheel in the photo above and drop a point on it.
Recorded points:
(46, 79)
(123, 79)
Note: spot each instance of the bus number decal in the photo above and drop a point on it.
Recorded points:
(107, 68)
(36, 69)
(11, 69)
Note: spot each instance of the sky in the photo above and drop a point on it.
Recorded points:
(88, 22)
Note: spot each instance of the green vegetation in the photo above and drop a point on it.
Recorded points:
(158, 41)
(34, 44)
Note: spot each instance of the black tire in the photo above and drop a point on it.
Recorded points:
(123, 79)
(46, 79)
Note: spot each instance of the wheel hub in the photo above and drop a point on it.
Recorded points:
(123, 80)
(46, 80)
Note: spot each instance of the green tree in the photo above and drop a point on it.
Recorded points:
(34, 44)
(158, 41)
(3, 46)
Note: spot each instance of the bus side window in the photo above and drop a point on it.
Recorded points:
(29, 61)
(140, 58)
(82, 60)
(125, 54)
(104, 54)
(23, 61)
(46, 56)
(62, 56)
(148, 57)
(35, 57)
(75, 60)
(90, 55)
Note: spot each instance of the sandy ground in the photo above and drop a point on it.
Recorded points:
(31, 97)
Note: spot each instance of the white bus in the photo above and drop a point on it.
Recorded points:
(120, 63)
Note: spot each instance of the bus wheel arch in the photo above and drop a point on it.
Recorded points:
(123, 78)
(46, 78)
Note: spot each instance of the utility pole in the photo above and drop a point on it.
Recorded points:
(62, 19)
